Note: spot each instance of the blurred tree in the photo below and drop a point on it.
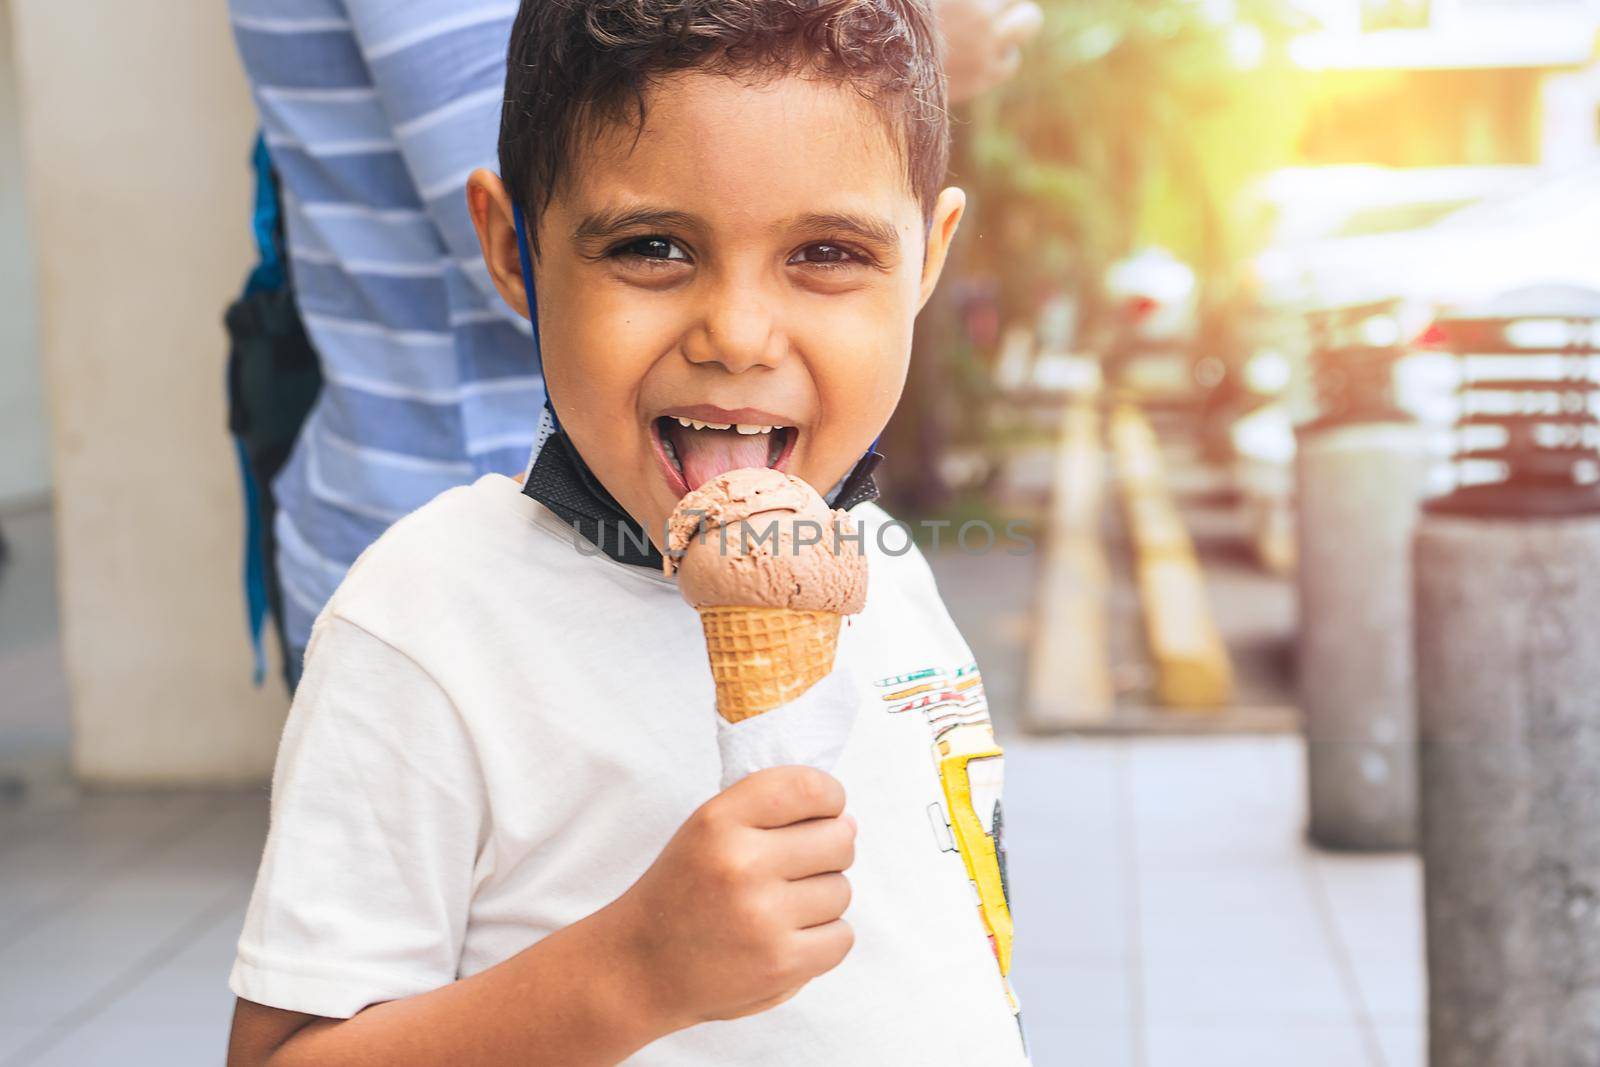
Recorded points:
(1131, 123)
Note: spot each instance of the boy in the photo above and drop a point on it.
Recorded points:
(491, 839)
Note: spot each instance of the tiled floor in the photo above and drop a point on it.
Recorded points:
(118, 923)
(1168, 916)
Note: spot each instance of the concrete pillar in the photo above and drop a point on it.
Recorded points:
(1358, 491)
(137, 127)
(1508, 643)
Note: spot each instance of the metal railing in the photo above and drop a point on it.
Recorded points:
(1354, 353)
(1527, 432)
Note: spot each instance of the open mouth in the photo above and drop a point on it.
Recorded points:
(692, 452)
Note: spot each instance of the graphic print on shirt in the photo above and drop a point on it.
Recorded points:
(971, 774)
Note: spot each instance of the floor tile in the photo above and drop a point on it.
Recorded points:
(1081, 919)
(193, 984)
(1403, 1044)
(1376, 908)
(1081, 1046)
(1076, 794)
(1263, 1043)
(60, 856)
(1393, 984)
(1381, 893)
(14, 1035)
(1240, 989)
(86, 949)
(1259, 913)
(1212, 803)
(1066, 853)
(1075, 995)
(198, 1043)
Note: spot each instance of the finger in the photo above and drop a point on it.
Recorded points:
(822, 898)
(822, 948)
(782, 796)
(816, 846)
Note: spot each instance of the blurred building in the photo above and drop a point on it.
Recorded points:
(1448, 82)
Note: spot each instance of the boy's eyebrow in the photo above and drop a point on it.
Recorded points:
(604, 224)
(866, 227)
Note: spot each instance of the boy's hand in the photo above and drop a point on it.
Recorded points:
(742, 908)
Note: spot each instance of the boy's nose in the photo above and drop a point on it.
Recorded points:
(739, 334)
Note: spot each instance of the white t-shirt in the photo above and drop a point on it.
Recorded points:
(497, 733)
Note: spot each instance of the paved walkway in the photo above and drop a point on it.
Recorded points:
(1170, 915)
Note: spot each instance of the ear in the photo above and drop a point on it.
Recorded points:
(947, 212)
(492, 217)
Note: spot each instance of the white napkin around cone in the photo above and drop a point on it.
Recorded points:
(811, 730)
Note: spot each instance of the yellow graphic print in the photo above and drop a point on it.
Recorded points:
(970, 770)
(971, 773)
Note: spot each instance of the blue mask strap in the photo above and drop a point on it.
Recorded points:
(525, 257)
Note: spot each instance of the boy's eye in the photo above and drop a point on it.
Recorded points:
(824, 254)
(657, 248)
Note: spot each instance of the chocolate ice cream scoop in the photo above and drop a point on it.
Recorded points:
(757, 537)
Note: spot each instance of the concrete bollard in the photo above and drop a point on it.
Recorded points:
(1508, 645)
(1359, 488)
(1508, 659)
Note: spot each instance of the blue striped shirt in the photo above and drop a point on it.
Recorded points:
(375, 112)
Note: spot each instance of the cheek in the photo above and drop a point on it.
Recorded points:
(857, 369)
(598, 346)
(857, 354)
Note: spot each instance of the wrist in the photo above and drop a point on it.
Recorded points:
(631, 985)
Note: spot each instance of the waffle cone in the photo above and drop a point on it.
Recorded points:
(764, 657)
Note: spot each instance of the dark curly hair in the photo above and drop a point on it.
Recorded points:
(575, 63)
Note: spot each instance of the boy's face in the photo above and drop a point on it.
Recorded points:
(752, 257)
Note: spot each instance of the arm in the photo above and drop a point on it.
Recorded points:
(503, 1015)
(442, 90)
(741, 909)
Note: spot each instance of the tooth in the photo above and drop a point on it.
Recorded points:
(697, 424)
(717, 425)
(685, 423)
(751, 428)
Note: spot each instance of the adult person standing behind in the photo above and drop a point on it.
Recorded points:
(375, 112)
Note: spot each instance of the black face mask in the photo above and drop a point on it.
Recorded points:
(563, 482)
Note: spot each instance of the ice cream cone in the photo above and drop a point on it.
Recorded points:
(762, 657)
(772, 571)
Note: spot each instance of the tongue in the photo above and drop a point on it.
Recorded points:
(705, 454)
